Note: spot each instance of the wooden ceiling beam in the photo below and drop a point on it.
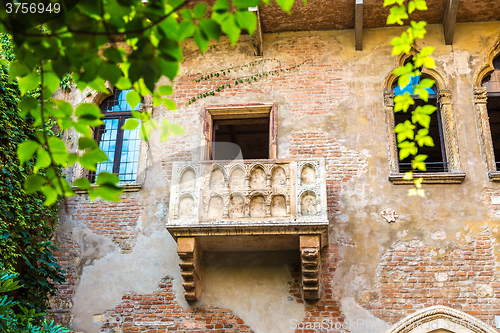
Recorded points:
(358, 25)
(450, 18)
(257, 35)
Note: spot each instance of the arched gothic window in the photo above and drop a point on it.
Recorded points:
(487, 106)
(443, 163)
(121, 146)
(436, 156)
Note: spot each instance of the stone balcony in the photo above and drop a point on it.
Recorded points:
(248, 205)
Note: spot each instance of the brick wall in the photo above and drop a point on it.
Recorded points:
(114, 220)
(158, 312)
(311, 81)
(324, 314)
(341, 164)
(410, 278)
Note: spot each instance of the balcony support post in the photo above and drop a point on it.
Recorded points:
(191, 264)
(310, 246)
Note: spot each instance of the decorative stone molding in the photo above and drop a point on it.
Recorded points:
(389, 215)
(256, 190)
(252, 205)
(480, 106)
(448, 123)
(440, 319)
(191, 265)
(310, 247)
(429, 178)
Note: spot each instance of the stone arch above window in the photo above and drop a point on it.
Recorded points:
(487, 107)
(438, 319)
(450, 168)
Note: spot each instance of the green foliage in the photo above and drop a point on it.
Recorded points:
(15, 317)
(408, 140)
(26, 225)
(83, 41)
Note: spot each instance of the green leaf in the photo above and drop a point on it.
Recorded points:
(176, 129)
(230, 28)
(58, 150)
(133, 98)
(165, 130)
(123, 83)
(286, 5)
(146, 129)
(200, 40)
(417, 30)
(392, 2)
(27, 105)
(29, 82)
(397, 15)
(113, 55)
(247, 20)
(423, 139)
(72, 158)
(403, 102)
(187, 29)
(50, 195)
(418, 162)
(244, 4)
(166, 90)
(170, 104)
(407, 148)
(107, 188)
(33, 183)
(210, 28)
(82, 183)
(51, 81)
(404, 131)
(220, 6)
(200, 10)
(130, 124)
(26, 150)
(42, 159)
(426, 83)
(401, 44)
(90, 158)
(85, 142)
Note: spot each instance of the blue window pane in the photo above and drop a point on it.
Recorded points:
(118, 102)
(411, 86)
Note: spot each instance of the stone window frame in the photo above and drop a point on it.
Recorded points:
(444, 99)
(239, 111)
(97, 98)
(480, 107)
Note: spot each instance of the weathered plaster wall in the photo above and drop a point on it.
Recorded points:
(330, 105)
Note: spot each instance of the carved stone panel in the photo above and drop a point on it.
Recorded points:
(278, 178)
(258, 178)
(258, 206)
(215, 208)
(217, 180)
(248, 190)
(186, 206)
(188, 180)
(308, 175)
(278, 206)
(237, 206)
(237, 178)
(308, 204)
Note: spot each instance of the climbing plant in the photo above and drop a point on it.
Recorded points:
(26, 225)
(224, 74)
(409, 139)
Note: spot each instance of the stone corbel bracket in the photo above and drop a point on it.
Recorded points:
(191, 265)
(310, 256)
